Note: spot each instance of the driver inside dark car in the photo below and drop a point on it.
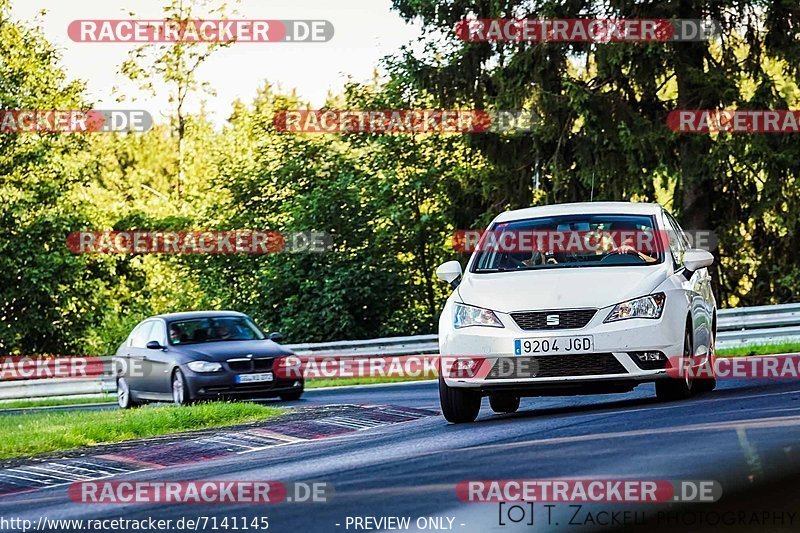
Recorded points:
(224, 332)
(176, 334)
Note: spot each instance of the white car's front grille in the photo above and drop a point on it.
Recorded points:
(557, 319)
(557, 366)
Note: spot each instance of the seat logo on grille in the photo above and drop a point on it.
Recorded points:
(553, 320)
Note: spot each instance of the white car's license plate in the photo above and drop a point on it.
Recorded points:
(554, 345)
(254, 378)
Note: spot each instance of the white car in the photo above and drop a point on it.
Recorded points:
(568, 299)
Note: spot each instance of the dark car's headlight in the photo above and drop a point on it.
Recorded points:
(650, 306)
(204, 366)
(467, 315)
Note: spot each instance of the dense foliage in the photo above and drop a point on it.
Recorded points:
(391, 202)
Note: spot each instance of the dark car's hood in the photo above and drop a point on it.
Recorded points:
(223, 350)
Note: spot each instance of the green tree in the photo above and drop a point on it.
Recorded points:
(176, 65)
(48, 297)
(604, 108)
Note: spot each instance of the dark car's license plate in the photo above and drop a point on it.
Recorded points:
(254, 378)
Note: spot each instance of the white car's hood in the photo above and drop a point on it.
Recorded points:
(559, 288)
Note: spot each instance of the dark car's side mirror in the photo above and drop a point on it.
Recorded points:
(275, 336)
(154, 345)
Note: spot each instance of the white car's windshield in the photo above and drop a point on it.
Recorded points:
(569, 241)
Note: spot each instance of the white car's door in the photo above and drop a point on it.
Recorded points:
(698, 285)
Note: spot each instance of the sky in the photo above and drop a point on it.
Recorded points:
(365, 31)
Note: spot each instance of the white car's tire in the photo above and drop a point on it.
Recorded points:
(504, 403)
(458, 405)
(678, 388)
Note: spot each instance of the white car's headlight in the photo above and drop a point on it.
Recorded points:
(204, 366)
(466, 315)
(650, 306)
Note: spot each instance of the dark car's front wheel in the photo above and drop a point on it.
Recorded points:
(458, 405)
(124, 399)
(291, 396)
(180, 389)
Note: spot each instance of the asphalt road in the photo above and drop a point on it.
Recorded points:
(334, 395)
(744, 433)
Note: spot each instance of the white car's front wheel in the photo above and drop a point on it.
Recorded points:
(681, 387)
(504, 403)
(458, 405)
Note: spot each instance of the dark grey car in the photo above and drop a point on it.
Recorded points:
(203, 355)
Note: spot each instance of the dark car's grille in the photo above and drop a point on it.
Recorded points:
(567, 319)
(242, 366)
(556, 366)
(262, 365)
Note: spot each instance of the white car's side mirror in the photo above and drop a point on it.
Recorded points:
(450, 272)
(694, 259)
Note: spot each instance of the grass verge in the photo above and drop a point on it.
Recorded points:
(54, 402)
(34, 433)
(761, 349)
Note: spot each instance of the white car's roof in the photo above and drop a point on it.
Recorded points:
(582, 208)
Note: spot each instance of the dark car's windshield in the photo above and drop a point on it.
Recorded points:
(214, 329)
(569, 241)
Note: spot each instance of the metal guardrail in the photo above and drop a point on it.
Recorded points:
(743, 326)
(736, 327)
(415, 345)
